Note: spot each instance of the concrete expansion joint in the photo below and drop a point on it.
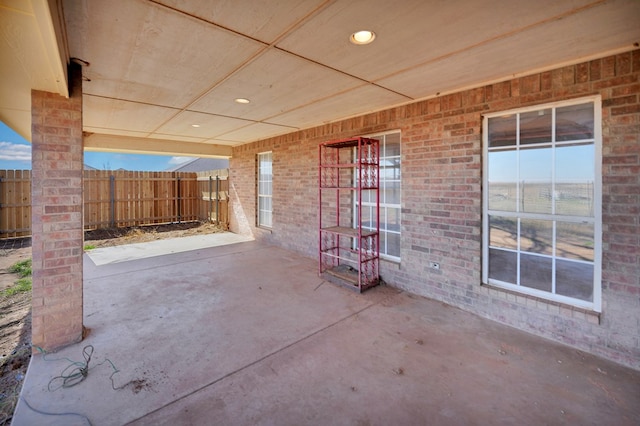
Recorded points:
(269, 355)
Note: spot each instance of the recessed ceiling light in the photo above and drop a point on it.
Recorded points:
(362, 37)
(242, 100)
(195, 125)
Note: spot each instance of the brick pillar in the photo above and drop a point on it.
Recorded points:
(57, 222)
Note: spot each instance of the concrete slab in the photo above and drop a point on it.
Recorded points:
(125, 253)
(249, 334)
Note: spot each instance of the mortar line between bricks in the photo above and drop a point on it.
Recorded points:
(259, 360)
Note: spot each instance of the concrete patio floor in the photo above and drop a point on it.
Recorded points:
(247, 334)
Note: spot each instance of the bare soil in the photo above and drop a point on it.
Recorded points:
(15, 310)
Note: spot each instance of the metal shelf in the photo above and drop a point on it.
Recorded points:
(352, 188)
(347, 165)
(352, 232)
(348, 253)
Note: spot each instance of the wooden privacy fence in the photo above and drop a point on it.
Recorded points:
(124, 199)
(15, 203)
(214, 187)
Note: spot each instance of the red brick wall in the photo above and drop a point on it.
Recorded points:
(442, 200)
(57, 162)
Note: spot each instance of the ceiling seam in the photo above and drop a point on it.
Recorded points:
(258, 122)
(252, 58)
(261, 52)
(256, 55)
(111, 98)
(202, 140)
(129, 100)
(271, 45)
(300, 21)
(206, 21)
(195, 111)
(495, 38)
(320, 100)
(117, 129)
(370, 82)
(220, 81)
(265, 47)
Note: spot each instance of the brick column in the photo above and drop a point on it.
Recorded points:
(57, 222)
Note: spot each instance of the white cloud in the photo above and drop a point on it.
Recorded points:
(179, 160)
(15, 152)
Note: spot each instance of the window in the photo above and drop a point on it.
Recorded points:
(265, 189)
(389, 197)
(542, 201)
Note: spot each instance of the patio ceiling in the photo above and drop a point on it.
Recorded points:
(160, 68)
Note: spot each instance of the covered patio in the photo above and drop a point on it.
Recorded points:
(247, 333)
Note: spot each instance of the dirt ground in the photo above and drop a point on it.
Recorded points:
(15, 311)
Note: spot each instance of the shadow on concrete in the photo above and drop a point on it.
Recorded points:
(248, 334)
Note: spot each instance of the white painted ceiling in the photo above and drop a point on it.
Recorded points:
(158, 67)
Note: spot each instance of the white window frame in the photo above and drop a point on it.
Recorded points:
(264, 191)
(384, 207)
(596, 304)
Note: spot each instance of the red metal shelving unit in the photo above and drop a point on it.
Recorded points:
(348, 245)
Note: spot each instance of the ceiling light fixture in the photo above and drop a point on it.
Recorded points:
(362, 37)
(195, 125)
(242, 100)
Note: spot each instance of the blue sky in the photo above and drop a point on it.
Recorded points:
(573, 162)
(15, 154)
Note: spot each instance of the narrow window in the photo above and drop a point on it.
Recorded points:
(542, 201)
(389, 197)
(265, 189)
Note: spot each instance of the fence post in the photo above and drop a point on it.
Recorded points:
(112, 199)
(179, 202)
(217, 199)
(210, 199)
(1, 209)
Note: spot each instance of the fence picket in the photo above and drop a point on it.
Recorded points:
(138, 198)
